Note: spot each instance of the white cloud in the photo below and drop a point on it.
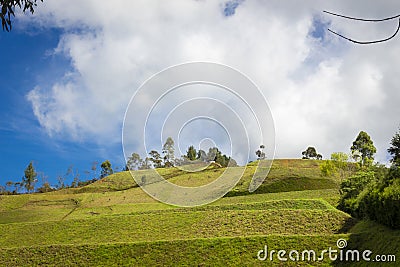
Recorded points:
(322, 92)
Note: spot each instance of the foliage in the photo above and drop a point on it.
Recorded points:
(328, 168)
(260, 153)
(156, 159)
(29, 178)
(145, 164)
(340, 159)
(374, 195)
(9, 184)
(201, 155)
(168, 151)
(382, 205)
(311, 153)
(340, 163)
(134, 161)
(365, 146)
(46, 187)
(191, 154)
(106, 169)
(394, 149)
(350, 189)
(214, 154)
(8, 10)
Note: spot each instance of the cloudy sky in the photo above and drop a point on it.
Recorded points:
(69, 71)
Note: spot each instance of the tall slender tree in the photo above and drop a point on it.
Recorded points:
(29, 178)
(191, 153)
(169, 152)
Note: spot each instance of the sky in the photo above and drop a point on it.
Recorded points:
(69, 72)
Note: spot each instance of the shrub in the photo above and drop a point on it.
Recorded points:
(327, 168)
(374, 195)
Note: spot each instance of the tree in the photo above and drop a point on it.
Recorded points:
(215, 155)
(60, 180)
(212, 154)
(191, 153)
(46, 187)
(145, 164)
(17, 187)
(327, 168)
(9, 184)
(202, 155)
(8, 10)
(394, 149)
(168, 151)
(260, 153)
(310, 153)
(364, 145)
(76, 181)
(355, 155)
(134, 162)
(29, 178)
(106, 169)
(156, 159)
(350, 189)
(340, 159)
(94, 168)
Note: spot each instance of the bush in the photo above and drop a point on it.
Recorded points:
(350, 189)
(382, 206)
(373, 195)
(327, 168)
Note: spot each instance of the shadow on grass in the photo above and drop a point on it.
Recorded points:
(380, 240)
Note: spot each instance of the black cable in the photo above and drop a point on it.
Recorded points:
(368, 20)
(369, 42)
(353, 18)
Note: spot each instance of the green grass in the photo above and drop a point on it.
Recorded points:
(238, 251)
(381, 240)
(174, 225)
(114, 203)
(112, 222)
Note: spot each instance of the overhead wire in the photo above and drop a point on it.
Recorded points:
(365, 20)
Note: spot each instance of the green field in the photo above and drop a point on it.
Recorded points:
(112, 222)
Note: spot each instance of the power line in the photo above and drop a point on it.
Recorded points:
(365, 20)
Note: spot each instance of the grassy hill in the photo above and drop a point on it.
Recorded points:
(112, 222)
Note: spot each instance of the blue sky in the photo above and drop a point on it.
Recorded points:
(27, 61)
(81, 68)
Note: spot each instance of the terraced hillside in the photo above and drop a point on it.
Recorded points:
(112, 222)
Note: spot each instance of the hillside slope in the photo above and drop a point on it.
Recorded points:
(112, 222)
